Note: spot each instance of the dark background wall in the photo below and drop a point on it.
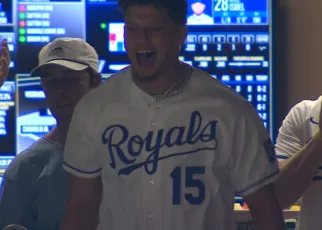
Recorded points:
(298, 50)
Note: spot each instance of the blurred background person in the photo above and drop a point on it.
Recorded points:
(35, 185)
(4, 61)
(299, 149)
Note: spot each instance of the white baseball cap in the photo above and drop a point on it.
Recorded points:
(72, 53)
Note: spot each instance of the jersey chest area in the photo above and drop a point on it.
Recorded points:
(174, 154)
(138, 139)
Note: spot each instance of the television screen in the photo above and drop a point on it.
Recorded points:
(229, 39)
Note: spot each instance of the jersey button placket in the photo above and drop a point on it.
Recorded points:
(156, 109)
(159, 205)
(156, 182)
(150, 182)
(150, 199)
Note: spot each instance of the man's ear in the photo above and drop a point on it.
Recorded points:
(183, 32)
(42, 84)
(97, 80)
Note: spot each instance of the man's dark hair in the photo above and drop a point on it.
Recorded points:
(177, 9)
(91, 72)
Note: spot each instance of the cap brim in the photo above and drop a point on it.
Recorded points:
(67, 64)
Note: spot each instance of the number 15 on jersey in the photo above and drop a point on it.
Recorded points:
(190, 174)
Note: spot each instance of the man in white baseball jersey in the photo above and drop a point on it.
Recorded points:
(162, 145)
(299, 149)
(4, 61)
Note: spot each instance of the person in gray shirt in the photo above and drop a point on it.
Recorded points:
(35, 185)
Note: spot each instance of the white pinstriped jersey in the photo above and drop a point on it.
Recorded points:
(169, 164)
(299, 126)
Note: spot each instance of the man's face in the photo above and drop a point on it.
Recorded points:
(63, 89)
(152, 40)
(198, 8)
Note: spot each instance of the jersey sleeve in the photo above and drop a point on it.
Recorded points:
(289, 140)
(254, 160)
(81, 157)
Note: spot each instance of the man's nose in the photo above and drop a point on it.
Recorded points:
(61, 89)
(142, 35)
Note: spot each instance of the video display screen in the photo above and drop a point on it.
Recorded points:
(229, 39)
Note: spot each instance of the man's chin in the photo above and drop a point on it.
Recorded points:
(64, 116)
(146, 78)
(145, 75)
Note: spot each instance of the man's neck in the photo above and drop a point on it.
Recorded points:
(163, 82)
(57, 135)
(198, 15)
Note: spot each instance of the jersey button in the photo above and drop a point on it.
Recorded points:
(153, 123)
(150, 216)
(151, 182)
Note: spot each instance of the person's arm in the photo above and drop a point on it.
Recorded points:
(254, 169)
(4, 62)
(298, 170)
(265, 198)
(81, 210)
(16, 196)
(82, 161)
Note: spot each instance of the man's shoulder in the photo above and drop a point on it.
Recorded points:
(308, 104)
(190, 18)
(110, 89)
(306, 110)
(210, 83)
(113, 82)
(220, 93)
(117, 79)
(32, 159)
(208, 17)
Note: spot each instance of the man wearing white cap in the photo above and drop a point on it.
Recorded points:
(35, 185)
